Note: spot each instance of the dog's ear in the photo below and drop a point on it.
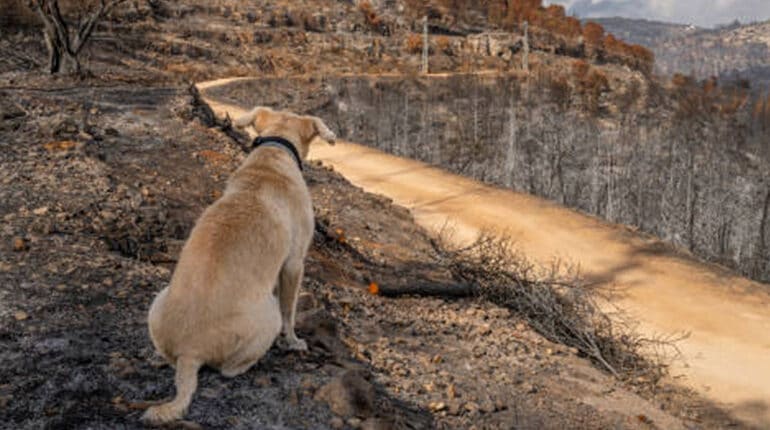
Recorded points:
(321, 129)
(255, 117)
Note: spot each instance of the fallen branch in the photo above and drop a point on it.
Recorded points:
(453, 291)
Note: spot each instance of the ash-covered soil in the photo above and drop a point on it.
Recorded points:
(99, 187)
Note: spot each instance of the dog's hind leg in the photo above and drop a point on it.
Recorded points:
(265, 325)
(186, 380)
(288, 291)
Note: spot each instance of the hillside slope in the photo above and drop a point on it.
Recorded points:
(734, 52)
(667, 293)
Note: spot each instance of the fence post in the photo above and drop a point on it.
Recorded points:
(525, 55)
(425, 46)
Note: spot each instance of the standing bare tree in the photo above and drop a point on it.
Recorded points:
(63, 44)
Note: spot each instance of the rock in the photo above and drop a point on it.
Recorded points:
(348, 395)
(263, 381)
(354, 422)
(487, 406)
(20, 244)
(471, 407)
(453, 408)
(437, 406)
(66, 127)
(336, 423)
(84, 135)
(40, 211)
(20, 315)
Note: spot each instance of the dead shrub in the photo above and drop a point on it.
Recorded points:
(560, 306)
(444, 45)
(369, 13)
(414, 44)
(580, 69)
(593, 33)
(373, 20)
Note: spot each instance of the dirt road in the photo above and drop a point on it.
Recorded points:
(726, 356)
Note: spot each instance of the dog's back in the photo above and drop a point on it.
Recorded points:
(235, 250)
(222, 308)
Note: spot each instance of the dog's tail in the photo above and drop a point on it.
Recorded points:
(324, 131)
(247, 118)
(186, 380)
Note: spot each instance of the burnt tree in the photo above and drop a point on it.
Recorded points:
(63, 43)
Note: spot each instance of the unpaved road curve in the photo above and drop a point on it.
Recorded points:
(727, 355)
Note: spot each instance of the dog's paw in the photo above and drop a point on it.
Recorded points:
(292, 344)
(162, 414)
(298, 345)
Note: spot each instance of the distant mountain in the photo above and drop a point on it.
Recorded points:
(731, 52)
(644, 32)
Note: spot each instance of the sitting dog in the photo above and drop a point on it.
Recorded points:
(236, 284)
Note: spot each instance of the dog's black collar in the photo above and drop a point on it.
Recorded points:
(280, 142)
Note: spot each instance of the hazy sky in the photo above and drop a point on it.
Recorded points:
(705, 13)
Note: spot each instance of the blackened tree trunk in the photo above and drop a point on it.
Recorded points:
(64, 47)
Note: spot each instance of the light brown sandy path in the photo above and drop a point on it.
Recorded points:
(726, 357)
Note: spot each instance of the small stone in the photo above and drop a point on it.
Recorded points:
(348, 395)
(354, 422)
(40, 211)
(500, 405)
(487, 406)
(471, 407)
(437, 406)
(263, 381)
(20, 244)
(21, 315)
(336, 423)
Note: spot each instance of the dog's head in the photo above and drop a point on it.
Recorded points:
(300, 130)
